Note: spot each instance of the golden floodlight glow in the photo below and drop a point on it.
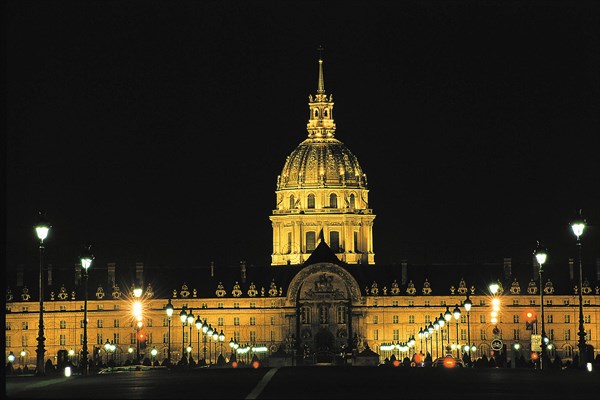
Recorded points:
(494, 314)
(139, 324)
(494, 320)
(137, 309)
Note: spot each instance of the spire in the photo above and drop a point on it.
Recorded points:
(321, 84)
(320, 123)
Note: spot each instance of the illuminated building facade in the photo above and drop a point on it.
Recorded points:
(322, 295)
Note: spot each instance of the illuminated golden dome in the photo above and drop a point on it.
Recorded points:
(321, 160)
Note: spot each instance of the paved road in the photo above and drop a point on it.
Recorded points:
(315, 382)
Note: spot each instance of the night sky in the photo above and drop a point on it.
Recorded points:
(155, 130)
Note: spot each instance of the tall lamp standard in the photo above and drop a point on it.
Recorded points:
(137, 312)
(199, 329)
(420, 335)
(578, 225)
(183, 317)
(221, 339)
(441, 323)
(426, 335)
(430, 329)
(209, 334)
(436, 326)
(541, 254)
(86, 262)
(216, 339)
(204, 330)
(467, 305)
(169, 309)
(447, 318)
(42, 228)
(456, 313)
(190, 320)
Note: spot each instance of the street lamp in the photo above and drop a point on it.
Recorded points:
(169, 309)
(199, 328)
(11, 358)
(106, 350)
(467, 304)
(183, 317)
(541, 255)
(215, 337)
(130, 350)
(456, 314)
(426, 335)
(447, 318)
(204, 330)
(190, 321)
(23, 354)
(420, 335)
(436, 326)
(221, 339)
(86, 258)
(209, 333)
(42, 228)
(153, 353)
(578, 225)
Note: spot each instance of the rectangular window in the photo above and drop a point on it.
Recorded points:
(100, 307)
(24, 341)
(427, 303)
(515, 334)
(149, 323)
(396, 334)
(334, 241)
(100, 323)
(532, 302)
(273, 303)
(220, 305)
(443, 303)
(99, 338)
(8, 342)
(482, 319)
(375, 319)
(25, 325)
(252, 336)
(515, 302)
(252, 320)
(394, 303)
(184, 305)
(165, 337)
(63, 308)
(548, 302)
(356, 242)
(186, 337)
(427, 319)
(588, 334)
(550, 318)
(551, 334)
(516, 318)
(375, 334)
(63, 340)
(272, 336)
(149, 338)
(463, 319)
(310, 241)
(81, 323)
(587, 319)
(132, 338)
(567, 319)
(116, 307)
(81, 338)
(8, 324)
(166, 321)
(463, 334)
(411, 303)
(116, 323)
(204, 305)
(63, 324)
(252, 304)
(483, 334)
(567, 334)
(220, 321)
(236, 321)
(288, 250)
(586, 302)
(236, 305)
(411, 319)
(305, 315)
(394, 319)
(272, 320)
(566, 302)
(26, 308)
(482, 302)
(236, 336)
(323, 315)
(115, 338)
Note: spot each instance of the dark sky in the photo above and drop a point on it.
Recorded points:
(156, 129)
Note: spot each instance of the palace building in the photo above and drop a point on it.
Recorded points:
(323, 294)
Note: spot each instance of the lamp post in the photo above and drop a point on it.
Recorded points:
(426, 335)
(11, 359)
(169, 309)
(221, 339)
(106, 350)
(456, 313)
(431, 329)
(441, 323)
(199, 329)
(447, 318)
(215, 337)
(183, 317)
(153, 353)
(467, 304)
(420, 335)
(137, 312)
(541, 255)
(130, 351)
(42, 228)
(190, 321)
(86, 262)
(578, 225)
(204, 330)
(436, 326)
(209, 333)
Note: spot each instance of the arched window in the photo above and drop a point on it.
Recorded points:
(311, 201)
(310, 241)
(316, 113)
(333, 200)
(325, 112)
(292, 202)
(352, 201)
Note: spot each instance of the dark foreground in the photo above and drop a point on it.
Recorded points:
(316, 382)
